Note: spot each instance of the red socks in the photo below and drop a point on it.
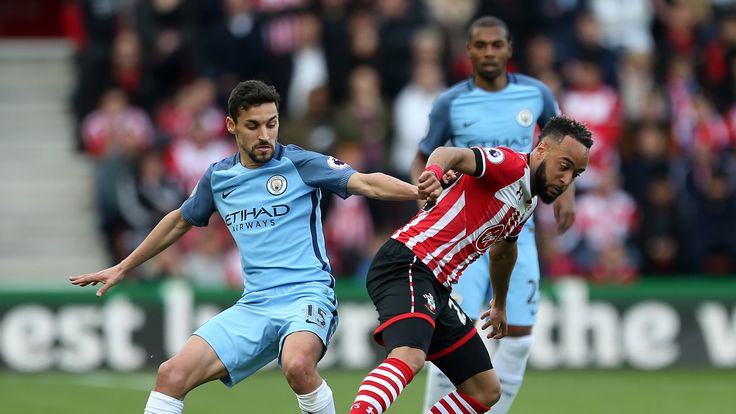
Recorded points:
(382, 386)
(458, 403)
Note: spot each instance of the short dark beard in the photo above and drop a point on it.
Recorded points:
(255, 158)
(539, 186)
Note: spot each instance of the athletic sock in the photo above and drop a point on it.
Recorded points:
(382, 386)
(438, 385)
(458, 403)
(159, 403)
(318, 401)
(509, 361)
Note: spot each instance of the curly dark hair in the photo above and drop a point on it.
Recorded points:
(250, 93)
(559, 127)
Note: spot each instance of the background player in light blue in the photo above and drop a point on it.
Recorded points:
(495, 108)
(268, 195)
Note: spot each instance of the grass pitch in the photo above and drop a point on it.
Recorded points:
(544, 392)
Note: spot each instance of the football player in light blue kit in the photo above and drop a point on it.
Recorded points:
(268, 195)
(495, 108)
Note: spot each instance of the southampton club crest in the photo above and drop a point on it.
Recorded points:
(276, 185)
(525, 118)
(430, 305)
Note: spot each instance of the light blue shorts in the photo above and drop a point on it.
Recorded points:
(473, 291)
(251, 333)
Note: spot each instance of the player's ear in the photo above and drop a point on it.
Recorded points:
(230, 125)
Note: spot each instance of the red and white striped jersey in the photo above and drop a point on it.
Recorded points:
(472, 213)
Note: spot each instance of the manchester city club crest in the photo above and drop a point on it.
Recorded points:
(276, 185)
(525, 118)
(430, 305)
(337, 164)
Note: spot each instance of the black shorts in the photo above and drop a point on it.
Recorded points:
(402, 287)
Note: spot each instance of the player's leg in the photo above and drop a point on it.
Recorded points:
(406, 341)
(472, 294)
(408, 299)
(310, 321)
(460, 353)
(512, 352)
(231, 346)
(195, 364)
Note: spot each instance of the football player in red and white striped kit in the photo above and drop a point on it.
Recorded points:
(494, 192)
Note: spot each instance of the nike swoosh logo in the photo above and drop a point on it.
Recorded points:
(224, 195)
(469, 123)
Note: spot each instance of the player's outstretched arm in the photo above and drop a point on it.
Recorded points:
(166, 232)
(461, 160)
(383, 187)
(503, 259)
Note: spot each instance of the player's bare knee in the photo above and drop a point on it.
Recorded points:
(491, 394)
(298, 369)
(171, 379)
(413, 357)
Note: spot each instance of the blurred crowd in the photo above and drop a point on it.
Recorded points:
(655, 80)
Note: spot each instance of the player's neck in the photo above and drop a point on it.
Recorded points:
(494, 85)
(247, 162)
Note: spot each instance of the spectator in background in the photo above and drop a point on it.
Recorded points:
(598, 105)
(192, 102)
(606, 220)
(309, 64)
(239, 29)
(168, 30)
(625, 24)
(334, 16)
(590, 47)
(649, 158)
(541, 57)
(189, 157)
(365, 118)
(662, 230)
(398, 20)
(116, 126)
(313, 130)
(364, 41)
(412, 107)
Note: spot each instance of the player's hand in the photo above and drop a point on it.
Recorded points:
(495, 318)
(564, 214)
(108, 277)
(429, 187)
(448, 178)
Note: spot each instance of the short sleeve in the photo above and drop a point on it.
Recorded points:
(321, 171)
(439, 129)
(550, 107)
(198, 208)
(501, 165)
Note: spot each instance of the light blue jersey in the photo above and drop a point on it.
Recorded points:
(273, 213)
(274, 216)
(466, 116)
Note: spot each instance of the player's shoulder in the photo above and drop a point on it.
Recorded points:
(297, 154)
(505, 160)
(300, 156)
(454, 91)
(225, 163)
(528, 81)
